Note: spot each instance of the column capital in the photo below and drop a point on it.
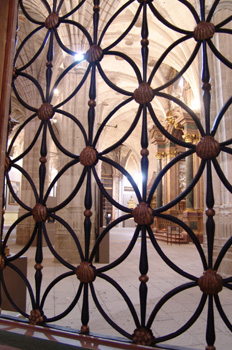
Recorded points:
(159, 155)
(170, 153)
(190, 137)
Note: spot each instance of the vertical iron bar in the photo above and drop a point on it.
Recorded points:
(206, 87)
(144, 42)
(143, 267)
(38, 259)
(95, 20)
(85, 307)
(210, 225)
(87, 223)
(49, 66)
(210, 332)
(92, 90)
(144, 160)
(144, 167)
(202, 9)
(92, 103)
(144, 137)
(42, 168)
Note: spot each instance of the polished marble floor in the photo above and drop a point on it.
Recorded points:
(162, 279)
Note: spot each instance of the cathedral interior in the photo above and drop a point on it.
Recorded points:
(171, 116)
(113, 112)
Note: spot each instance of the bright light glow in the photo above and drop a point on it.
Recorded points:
(181, 83)
(56, 92)
(79, 56)
(138, 178)
(195, 104)
(53, 173)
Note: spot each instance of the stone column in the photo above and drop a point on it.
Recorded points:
(221, 81)
(117, 192)
(158, 139)
(31, 165)
(71, 139)
(192, 216)
(171, 179)
(189, 173)
(159, 191)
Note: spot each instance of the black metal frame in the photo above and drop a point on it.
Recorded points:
(89, 171)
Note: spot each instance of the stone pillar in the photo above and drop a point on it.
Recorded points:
(171, 179)
(71, 139)
(192, 216)
(31, 165)
(221, 81)
(159, 191)
(117, 192)
(189, 173)
(158, 139)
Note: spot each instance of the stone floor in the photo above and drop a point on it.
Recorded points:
(162, 279)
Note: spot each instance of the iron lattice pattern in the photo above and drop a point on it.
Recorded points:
(53, 21)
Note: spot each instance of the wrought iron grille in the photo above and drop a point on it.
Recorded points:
(42, 116)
